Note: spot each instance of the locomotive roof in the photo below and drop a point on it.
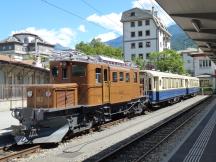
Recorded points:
(164, 74)
(77, 56)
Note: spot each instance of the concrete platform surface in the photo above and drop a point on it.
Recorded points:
(199, 145)
(6, 120)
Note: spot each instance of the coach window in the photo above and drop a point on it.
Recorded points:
(135, 77)
(98, 75)
(114, 77)
(55, 71)
(121, 76)
(127, 77)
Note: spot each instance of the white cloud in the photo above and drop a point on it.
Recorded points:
(107, 36)
(110, 21)
(147, 4)
(82, 28)
(63, 36)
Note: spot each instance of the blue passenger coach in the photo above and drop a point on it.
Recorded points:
(169, 87)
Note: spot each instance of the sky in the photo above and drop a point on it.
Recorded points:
(68, 22)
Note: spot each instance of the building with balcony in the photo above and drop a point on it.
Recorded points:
(143, 33)
(25, 44)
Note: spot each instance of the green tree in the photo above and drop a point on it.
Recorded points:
(96, 47)
(139, 62)
(168, 60)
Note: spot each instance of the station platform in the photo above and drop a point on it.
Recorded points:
(199, 145)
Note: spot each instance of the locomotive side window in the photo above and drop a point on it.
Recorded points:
(114, 77)
(127, 77)
(105, 75)
(78, 70)
(64, 72)
(98, 75)
(55, 71)
(150, 85)
(121, 76)
(135, 77)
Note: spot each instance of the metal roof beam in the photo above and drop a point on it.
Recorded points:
(204, 31)
(205, 40)
(206, 15)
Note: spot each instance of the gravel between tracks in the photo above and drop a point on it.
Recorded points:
(82, 147)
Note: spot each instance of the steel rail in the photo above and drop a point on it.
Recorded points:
(19, 154)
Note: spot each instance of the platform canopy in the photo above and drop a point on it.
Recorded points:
(198, 19)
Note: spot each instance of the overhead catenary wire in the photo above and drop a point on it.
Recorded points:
(92, 7)
(72, 13)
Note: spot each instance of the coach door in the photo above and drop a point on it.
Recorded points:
(106, 89)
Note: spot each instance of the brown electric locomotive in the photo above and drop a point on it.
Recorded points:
(83, 91)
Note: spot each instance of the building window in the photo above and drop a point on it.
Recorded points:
(132, 14)
(147, 55)
(141, 56)
(114, 77)
(140, 44)
(132, 24)
(121, 76)
(200, 63)
(147, 32)
(133, 56)
(209, 63)
(148, 44)
(140, 33)
(132, 34)
(98, 75)
(139, 23)
(133, 45)
(147, 22)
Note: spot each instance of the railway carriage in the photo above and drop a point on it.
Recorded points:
(167, 87)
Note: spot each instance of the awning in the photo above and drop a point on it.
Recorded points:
(198, 19)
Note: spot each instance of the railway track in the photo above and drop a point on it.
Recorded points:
(8, 153)
(139, 146)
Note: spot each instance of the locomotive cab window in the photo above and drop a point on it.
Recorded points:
(127, 77)
(55, 71)
(135, 77)
(98, 75)
(121, 76)
(105, 75)
(78, 70)
(64, 73)
(114, 77)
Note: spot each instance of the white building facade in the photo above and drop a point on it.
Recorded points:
(143, 33)
(199, 64)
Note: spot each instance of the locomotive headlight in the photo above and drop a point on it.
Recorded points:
(48, 93)
(29, 93)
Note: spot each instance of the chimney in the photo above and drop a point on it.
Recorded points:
(152, 10)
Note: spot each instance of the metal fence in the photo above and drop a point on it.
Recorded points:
(12, 92)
